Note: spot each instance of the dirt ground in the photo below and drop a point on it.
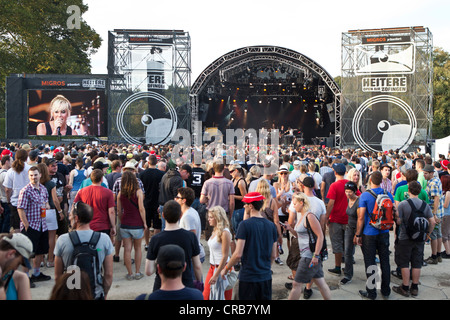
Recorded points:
(434, 279)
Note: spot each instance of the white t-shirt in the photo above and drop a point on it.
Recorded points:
(190, 220)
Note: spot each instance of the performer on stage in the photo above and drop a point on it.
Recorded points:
(60, 109)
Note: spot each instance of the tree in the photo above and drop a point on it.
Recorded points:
(441, 93)
(43, 36)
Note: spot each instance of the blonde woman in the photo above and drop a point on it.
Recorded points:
(355, 176)
(219, 247)
(60, 109)
(310, 266)
(253, 174)
(269, 211)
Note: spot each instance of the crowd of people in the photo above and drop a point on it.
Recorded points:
(153, 200)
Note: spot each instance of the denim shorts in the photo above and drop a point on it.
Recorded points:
(131, 233)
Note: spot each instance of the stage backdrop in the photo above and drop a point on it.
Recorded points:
(386, 88)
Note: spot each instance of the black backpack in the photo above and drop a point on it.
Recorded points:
(313, 239)
(85, 256)
(417, 224)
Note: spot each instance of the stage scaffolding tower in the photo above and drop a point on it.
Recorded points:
(133, 57)
(418, 93)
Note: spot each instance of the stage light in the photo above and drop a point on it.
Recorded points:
(260, 101)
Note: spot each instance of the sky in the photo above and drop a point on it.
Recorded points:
(313, 28)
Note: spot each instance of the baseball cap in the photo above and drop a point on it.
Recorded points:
(297, 163)
(23, 245)
(444, 164)
(171, 257)
(308, 182)
(6, 152)
(252, 197)
(339, 168)
(428, 168)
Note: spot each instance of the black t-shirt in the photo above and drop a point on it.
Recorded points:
(198, 178)
(183, 238)
(150, 179)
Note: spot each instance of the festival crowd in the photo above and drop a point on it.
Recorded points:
(153, 200)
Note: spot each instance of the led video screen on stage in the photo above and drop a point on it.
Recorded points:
(66, 112)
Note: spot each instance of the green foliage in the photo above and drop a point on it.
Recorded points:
(441, 96)
(35, 38)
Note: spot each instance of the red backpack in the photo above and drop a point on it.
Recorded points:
(382, 217)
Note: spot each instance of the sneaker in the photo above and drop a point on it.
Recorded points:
(138, 276)
(336, 271)
(439, 258)
(129, 277)
(307, 293)
(400, 291)
(50, 264)
(444, 255)
(40, 277)
(414, 292)
(116, 258)
(344, 281)
(366, 295)
(430, 260)
(278, 261)
(32, 284)
(288, 285)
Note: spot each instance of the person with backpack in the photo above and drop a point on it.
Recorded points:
(73, 249)
(373, 238)
(416, 222)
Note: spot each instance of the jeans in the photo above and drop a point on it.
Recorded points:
(371, 245)
(349, 251)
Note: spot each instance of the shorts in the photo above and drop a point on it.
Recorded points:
(14, 217)
(337, 237)
(305, 274)
(50, 218)
(261, 290)
(407, 251)
(39, 240)
(436, 233)
(131, 233)
(152, 218)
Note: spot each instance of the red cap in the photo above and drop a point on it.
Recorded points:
(444, 164)
(252, 196)
(6, 152)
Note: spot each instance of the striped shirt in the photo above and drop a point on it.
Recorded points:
(31, 200)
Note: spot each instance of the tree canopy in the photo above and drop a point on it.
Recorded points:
(441, 93)
(42, 36)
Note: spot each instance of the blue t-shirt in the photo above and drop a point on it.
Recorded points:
(259, 235)
(367, 201)
(184, 294)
